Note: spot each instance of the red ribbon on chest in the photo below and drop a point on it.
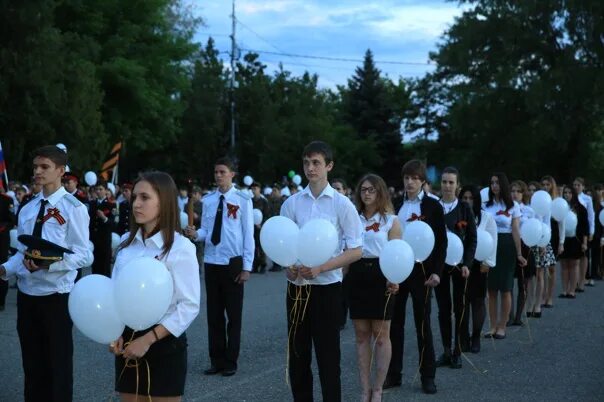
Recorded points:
(416, 217)
(232, 210)
(54, 213)
(375, 227)
(502, 212)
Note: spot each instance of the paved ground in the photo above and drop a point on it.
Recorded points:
(564, 361)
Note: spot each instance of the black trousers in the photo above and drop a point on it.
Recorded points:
(476, 294)
(420, 295)
(102, 254)
(44, 329)
(3, 292)
(445, 309)
(320, 326)
(224, 295)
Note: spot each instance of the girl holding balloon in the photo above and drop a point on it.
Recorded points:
(575, 242)
(484, 259)
(460, 223)
(556, 243)
(506, 214)
(153, 361)
(368, 290)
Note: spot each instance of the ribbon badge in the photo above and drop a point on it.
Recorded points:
(54, 213)
(416, 217)
(232, 210)
(502, 212)
(461, 225)
(375, 227)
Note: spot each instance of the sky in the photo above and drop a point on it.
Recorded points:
(402, 31)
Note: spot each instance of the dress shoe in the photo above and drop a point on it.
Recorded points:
(455, 362)
(392, 381)
(475, 348)
(518, 323)
(444, 360)
(537, 315)
(428, 386)
(563, 296)
(529, 314)
(499, 336)
(228, 372)
(578, 290)
(212, 370)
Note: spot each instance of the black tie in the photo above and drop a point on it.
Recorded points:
(39, 219)
(218, 222)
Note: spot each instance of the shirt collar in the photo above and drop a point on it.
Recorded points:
(228, 192)
(419, 198)
(157, 238)
(55, 197)
(328, 191)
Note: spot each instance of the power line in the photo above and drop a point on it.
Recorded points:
(306, 56)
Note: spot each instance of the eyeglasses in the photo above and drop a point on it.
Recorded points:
(369, 190)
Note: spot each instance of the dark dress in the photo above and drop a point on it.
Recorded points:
(572, 245)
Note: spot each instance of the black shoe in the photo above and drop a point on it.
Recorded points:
(518, 323)
(428, 386)
(228, 372)
(455, 362)
(392, 382)
(579, 290)
(475, 344)
(591, 284)
(444, 360)
(537, 315)
(509, 323)
(466, 346)
(212, 370)
(529, 314)
(563, 296)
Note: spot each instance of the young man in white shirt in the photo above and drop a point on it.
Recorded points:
(227, 228)
(43, 322)
(320, 287)
(587, 202)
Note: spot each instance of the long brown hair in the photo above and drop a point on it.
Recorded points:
(383, 204)
(526, 200)
(554, 188)
(168, 222)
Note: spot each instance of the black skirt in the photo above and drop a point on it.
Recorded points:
(366, 291)
(530, 269)
(167, 367)
(572, 249)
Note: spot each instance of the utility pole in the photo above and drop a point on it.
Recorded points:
(232, 85)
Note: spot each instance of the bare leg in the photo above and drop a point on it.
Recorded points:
(551, 285)
(530, 295)
(141, 398)
(506, 305)
(493, 311)
(573, 276)
(538, 290)
(362, 329)
(383, 353)
(581, 273)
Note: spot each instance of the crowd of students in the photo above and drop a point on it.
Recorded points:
(146, 214)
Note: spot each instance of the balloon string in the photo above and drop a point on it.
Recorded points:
(421, 356)
(296, 316)
(463, 312)
(524, 290)
(388, 294)
(135, 365)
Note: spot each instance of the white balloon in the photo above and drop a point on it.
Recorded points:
(13, 238)
(143, 291)
(541, 202)
(285, 191)
(91, 245)
(560, 209)
(454, 249)
(317, 242)
(601, 217)
(531, 232)
(484, 194)
(570, 224)
(111, 187)
(67, 169)
(247, 180)
(546, 235)
(92, 309)
(115, 240)
(279, 240)
(267, 191)
(61, 147)
(90, 178)
(397, 260)
(184, 220)
(484, 245)
(257, 216)
(420, 237)
(297, 179)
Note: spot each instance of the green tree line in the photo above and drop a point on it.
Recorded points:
(517, 87)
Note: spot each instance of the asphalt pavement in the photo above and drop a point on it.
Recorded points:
(559, 357)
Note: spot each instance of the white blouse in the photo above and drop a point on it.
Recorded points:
(503, 217)
(488, 223)
(375, 233)
(182, 264)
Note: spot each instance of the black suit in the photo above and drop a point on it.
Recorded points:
(432, 213)
(100, 235)
(124, 219)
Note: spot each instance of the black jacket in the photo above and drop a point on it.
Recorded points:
(461, 222)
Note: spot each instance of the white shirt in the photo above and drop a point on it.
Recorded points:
(182, 202)
(409, 208)
(587, 202)
(448, 206)
(182, 264)
(375, 233)
(73, 234)
(237, 235)
(526, 213)
(488, 223)
(334, 207)
(503, 217)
